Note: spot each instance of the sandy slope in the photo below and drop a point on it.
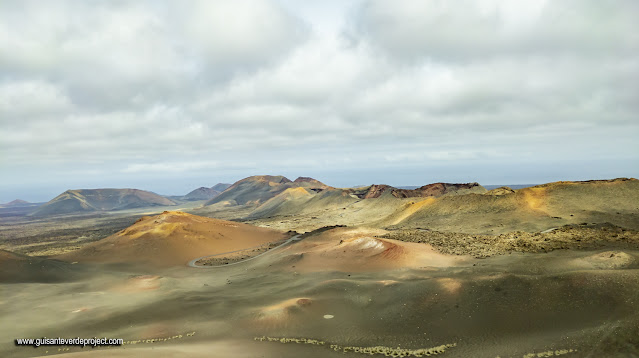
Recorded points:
(172, 239)
(16, 268)
(355, 287)
(359, 250)
(345, 287)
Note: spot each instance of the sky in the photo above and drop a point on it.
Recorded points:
(169, 96)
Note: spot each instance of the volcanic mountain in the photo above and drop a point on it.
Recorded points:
(88, 200)
(357, 249)
(429, 190)
(204, 193)
(16, 203)
(366, 204)
(172, 239)
(531, 209)
(467, 208)
(258, 189)
(221, 187)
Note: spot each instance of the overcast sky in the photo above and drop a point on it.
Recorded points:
(172, 95)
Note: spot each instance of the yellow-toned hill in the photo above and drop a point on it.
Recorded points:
(360, 249)
(257, 190)
(529, 209)
(295, 197)
(172, 239)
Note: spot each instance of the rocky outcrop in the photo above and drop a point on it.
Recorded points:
(371, 192)
(434, 190)
(504, 190)
(437, 189)
(306, 180)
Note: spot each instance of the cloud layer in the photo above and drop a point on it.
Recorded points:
(161, 96)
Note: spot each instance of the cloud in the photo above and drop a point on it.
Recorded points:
(170, 167)
(133, 90)
(32, 98)
(141, 53)
(468, 29)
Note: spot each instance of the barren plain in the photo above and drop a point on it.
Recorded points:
(546, 271)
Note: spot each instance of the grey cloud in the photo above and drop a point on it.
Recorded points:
(109, 54)
(466, 29)
(128, 93)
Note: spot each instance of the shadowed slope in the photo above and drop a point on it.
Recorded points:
(201, 193)
(16, 268)
(15, 203)
(204, 193)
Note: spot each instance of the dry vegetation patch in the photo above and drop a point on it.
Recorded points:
(582, 236)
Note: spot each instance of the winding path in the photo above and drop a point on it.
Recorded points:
(192, 262)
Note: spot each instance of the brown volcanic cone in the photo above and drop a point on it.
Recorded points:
(438, 189)
(172, 239)
(430, 190)
(260, 188)
(357, 250)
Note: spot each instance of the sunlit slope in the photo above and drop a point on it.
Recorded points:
(289, 198)
(355, 205)
(358, 250)
(172, 239)
(529, 209)
(87, 200)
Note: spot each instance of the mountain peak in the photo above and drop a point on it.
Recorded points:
(304, 179)
(17, 202)
(221, 187)
(86, 200)
(278, 179)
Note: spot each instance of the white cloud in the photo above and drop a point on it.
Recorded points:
(170, 167)
(470, 29)
(141, 53)
(31, 98)
(232, 33)
(239, 88)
